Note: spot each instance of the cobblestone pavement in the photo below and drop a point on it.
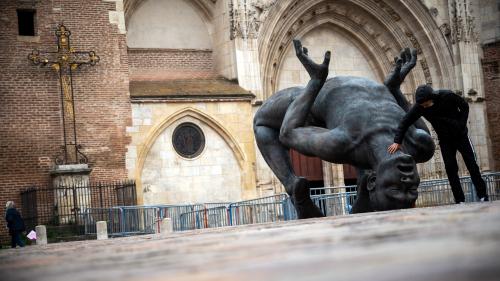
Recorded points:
(459, 242)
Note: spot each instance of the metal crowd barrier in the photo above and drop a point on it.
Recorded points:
(333, 201)
(438, 192)
(174, 212)
(267, 209)
(123, 220)
(206, 218)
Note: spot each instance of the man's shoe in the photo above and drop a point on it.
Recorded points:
(484, 199)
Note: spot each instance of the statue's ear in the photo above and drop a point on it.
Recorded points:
(370, 184)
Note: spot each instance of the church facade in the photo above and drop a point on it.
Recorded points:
(171, 101)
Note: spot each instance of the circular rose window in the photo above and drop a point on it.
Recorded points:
(188, 140)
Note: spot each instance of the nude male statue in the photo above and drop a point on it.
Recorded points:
(349, 120)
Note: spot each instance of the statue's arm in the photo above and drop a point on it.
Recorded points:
(403, 65)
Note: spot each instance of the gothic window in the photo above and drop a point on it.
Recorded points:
(188, 140)
(26, 22)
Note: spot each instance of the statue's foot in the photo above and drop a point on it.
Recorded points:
(302, 201)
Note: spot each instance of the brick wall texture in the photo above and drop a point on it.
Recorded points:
(30, 109)
(170, 64)
(491, 71)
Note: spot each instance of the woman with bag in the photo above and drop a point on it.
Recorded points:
(15, 224)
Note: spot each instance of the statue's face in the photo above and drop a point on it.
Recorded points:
(395, 184)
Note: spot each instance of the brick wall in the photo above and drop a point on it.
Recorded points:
(167, 64)
(30, 110)
(491, 69)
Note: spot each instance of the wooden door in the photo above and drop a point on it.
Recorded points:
(309, 167)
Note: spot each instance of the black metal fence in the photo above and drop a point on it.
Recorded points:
(62, 208)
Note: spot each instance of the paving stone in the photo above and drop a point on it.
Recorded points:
(458, 242)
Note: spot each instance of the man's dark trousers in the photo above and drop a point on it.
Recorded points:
(449, 151)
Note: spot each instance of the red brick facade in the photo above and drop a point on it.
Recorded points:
(158, 64)
(30, 109)
(491, 71)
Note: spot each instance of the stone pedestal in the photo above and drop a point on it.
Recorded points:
(71, 191)
(167, 227)
(41, 235)
(102, 230)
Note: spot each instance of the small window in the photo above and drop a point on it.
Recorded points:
(26, 22)
(188, 140)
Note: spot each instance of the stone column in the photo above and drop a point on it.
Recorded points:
(72, 192)
(468, 72)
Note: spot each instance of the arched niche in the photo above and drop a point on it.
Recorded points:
(165, 177)
(169, 24)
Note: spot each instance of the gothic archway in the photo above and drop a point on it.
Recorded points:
(384, 27)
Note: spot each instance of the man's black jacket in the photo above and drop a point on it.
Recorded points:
(448, 117)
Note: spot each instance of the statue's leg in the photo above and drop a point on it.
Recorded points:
(276, 156)
(291, 131)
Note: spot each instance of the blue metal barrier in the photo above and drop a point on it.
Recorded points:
(205, 218)
(333, 201)
(267, 209)
(123, 220)
(174, 212)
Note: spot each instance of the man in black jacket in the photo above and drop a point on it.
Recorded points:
(447, 113)
(15, 224)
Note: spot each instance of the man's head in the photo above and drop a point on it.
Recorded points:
(394, 185)
(10, 205)
(424, 95)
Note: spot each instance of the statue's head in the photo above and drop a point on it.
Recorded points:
(394, 184)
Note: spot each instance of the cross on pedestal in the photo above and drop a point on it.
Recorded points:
(64, 61)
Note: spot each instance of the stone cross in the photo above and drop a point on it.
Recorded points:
(64, 61)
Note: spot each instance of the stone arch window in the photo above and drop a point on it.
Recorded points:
(188, 140)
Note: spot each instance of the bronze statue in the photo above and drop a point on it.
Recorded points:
(348, 120)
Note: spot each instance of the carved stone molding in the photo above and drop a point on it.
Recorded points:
(426, 70)
(394, 15)
(433, 11)
(446, 30)
(246, 17)
(462, 22)
(414, 42)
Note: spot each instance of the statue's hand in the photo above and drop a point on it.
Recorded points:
(316, 71)
(403, 65)
(393, 148)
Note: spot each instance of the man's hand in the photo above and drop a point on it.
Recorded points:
(393, 148)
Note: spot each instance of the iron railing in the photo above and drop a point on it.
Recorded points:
(63, 208)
